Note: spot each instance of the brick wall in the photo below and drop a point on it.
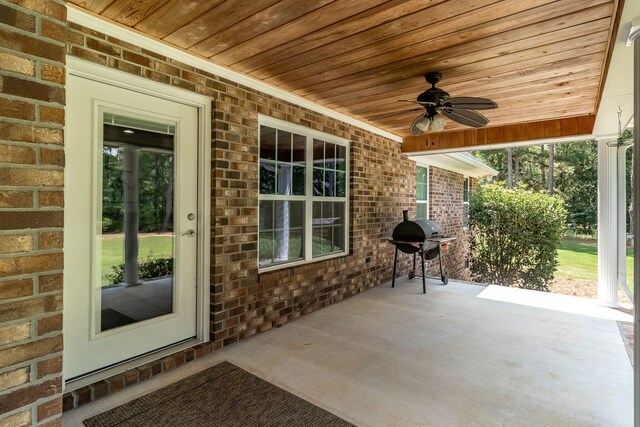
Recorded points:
(243, 302)
(32, 99)
(445, 207)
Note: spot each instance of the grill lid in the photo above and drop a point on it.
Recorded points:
(416, 231)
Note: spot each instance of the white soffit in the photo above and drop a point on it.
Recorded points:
(89, 20)
(618, 87)
(456, 162)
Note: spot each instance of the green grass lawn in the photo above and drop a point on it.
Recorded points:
(578, 259)
(149, 246)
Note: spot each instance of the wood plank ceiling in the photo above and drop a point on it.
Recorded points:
(538, 59)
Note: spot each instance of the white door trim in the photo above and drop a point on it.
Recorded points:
(106, 75)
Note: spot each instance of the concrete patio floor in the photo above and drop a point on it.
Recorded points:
(460, 355)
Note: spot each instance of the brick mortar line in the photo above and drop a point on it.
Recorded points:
(32, 57)
(35, 12)
(35, 295)
(37, 35)
(37, 102)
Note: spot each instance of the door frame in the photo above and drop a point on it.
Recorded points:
(202, 103)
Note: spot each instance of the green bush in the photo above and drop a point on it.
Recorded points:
(515, 236)
(147, 269)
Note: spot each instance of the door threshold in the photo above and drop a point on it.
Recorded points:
(93, 377)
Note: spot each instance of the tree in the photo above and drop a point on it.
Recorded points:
(551, 180)
(515, 236)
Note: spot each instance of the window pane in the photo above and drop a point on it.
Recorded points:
(341, 184)
(341, 158)
(298, 180)
(338, 238)
(299, 142)
(329, 183)
(318, 182)
(284, 179)
(421, 192)
(267, 178)
(338, 212)
(286, 242)
(267, 143)
(421, 211)
(284, 146)
(329, 156)
(265, 253)
(317, 241)
(421, 174)
(318, 153)
(297, 214)
(266, 215)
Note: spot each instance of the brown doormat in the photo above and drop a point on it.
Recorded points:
(223, 395)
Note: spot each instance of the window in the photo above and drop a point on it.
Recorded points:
(303, 195)
(422, 192)
(465, 203)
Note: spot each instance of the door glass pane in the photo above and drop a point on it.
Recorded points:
(136, 242)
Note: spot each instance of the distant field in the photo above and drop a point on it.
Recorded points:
(149, 246)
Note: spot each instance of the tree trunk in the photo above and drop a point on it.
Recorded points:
(551, 181)
(509, 167)
(516, 167)
(131, 216)
(543, 175)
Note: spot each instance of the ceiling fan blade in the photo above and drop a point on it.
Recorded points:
(395, 113)
(470, 103)
(416, 102)
(466, 117)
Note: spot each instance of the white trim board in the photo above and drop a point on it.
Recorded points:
(89, 20)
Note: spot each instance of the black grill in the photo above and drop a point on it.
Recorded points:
(420, 237)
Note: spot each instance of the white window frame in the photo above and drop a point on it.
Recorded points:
(466, 204)
(308, 198)
(425, 202)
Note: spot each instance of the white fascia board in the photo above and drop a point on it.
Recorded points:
(455, 162)
(90, 20)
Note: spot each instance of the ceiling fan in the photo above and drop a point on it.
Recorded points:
(438, 103)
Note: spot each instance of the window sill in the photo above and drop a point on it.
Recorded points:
(269, 269)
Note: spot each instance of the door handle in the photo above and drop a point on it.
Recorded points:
(189, 233)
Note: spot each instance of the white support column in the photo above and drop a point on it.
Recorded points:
(607, 223)
(634, 37)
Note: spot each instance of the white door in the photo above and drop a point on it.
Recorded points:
(130, 224)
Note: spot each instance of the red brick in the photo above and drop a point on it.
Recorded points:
(51, 199)
(21, 353)
(168, 363)
(68, 401)
(88, 55)
(53, 73)
(14, 378)
(54, 30)
(17, 64)
(103, 47)
(17, 154)
(50, 240)
(130, 377)
(30, 307)
(21, 419)
(50, 366)
(31, 177)
(16, 199)
(51, 9)
(116, 383)
(50, 283)
(50, 408)
(19, 220)
(51, 114)
(28, 395)
(100, 389)
(32, 134)
(83, 395)
(17, 18)
(52, 157)
(16, 288)
(32, 89)
(16, 243)
(17, 110)
(50, 324)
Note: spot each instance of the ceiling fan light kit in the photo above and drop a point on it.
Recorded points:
(438, 103)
